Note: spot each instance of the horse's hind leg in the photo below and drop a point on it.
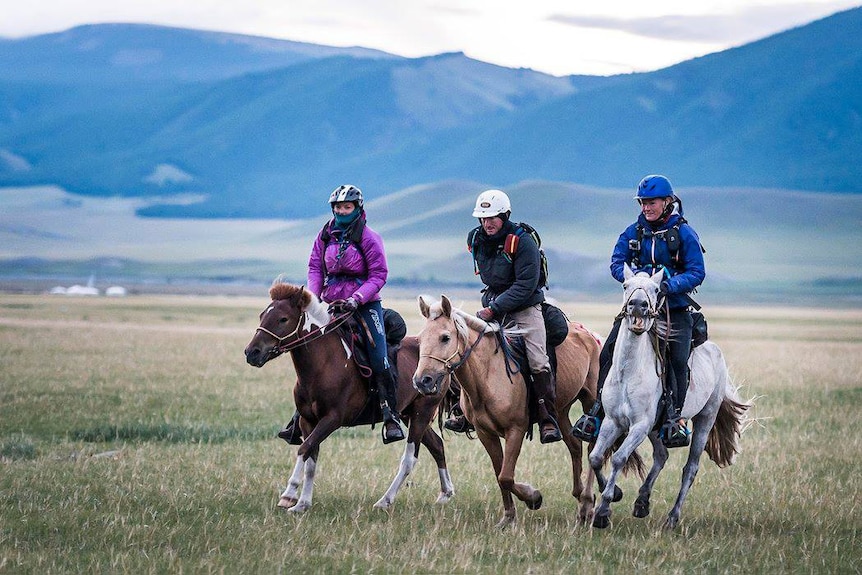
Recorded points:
(659, 458)
(584, 494)
(692, 464)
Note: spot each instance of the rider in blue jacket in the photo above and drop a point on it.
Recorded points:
(660, 239)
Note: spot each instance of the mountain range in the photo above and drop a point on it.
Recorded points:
(225, 126)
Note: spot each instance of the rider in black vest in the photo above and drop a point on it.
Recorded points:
(661, 239)
(512, 292)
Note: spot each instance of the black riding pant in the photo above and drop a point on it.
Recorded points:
(678, 350)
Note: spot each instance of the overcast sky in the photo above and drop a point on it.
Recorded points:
(555, 36)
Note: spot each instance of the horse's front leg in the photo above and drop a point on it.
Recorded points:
(524, 491)
(306, 454)
(495, 452)
(408, 462)
(291, 493)
(659, 458)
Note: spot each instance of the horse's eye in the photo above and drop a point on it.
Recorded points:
(283, 320)
(445, 338)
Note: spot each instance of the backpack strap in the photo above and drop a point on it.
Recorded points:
(510, 245)
(471, 247)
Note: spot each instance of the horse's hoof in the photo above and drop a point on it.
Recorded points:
(286, 502)
(444, 498)
(618, 494)
(602, 521)
(670, 523)
(300, 508)
(535, 503)
(505, 522)
(641, 508)
(383, 504)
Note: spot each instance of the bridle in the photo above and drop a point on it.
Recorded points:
(450, 367)
(300, 340)
(653, 313)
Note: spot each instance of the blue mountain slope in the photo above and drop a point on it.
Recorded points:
(259, 127)
(781, 112)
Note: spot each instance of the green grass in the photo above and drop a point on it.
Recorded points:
(135, 439)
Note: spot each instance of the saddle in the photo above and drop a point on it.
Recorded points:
(355, 335)
(515, 351)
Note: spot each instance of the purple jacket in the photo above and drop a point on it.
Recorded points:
(358, 272)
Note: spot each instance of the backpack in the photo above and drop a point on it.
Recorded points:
(510, 248)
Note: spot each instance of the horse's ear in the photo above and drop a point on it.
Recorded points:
(657, 277)
(446, 305)
(423, 307)
(627, 271)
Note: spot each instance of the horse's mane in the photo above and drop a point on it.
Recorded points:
(305, 300)
(284, 290)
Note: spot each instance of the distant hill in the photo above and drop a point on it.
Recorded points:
(764, 246)
(261, 128)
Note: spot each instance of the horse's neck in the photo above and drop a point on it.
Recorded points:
(484, 367)
(634, 353)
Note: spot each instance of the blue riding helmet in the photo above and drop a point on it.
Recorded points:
(654, 186)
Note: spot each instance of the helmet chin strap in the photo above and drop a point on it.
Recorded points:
(668, 209)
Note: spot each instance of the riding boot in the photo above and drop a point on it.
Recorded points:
(385, 383)
(458, 421)
(543, 385)
(291, 432)
(674, 432)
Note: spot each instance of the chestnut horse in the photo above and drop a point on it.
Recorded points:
(330, 391)
(495, 402)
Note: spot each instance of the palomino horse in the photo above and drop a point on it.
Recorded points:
(331, 393)
(495, 402)
(631, 397)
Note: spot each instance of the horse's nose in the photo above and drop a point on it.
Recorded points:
(425, 384)
(252, 356)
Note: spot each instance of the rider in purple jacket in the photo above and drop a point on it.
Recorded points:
(347, 269)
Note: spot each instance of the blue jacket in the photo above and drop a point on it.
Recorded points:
(682, 276)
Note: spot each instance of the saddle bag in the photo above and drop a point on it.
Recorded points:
(556, 324)
(699, 332)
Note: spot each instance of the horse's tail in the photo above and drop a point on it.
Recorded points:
(634, 463)
(722, 443)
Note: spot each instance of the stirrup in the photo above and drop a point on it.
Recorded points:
(391, 431)
(291, 432)
(458, 424)
(551, 434)
(587, 428)
(675, 433)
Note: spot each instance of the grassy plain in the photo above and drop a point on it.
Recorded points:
(135, 439)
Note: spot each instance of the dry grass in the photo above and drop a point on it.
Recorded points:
(190, 478)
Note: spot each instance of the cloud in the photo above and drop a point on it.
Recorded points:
(740, 26)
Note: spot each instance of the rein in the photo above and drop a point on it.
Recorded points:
(301, 340)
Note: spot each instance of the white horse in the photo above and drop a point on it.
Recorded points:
(631, 397)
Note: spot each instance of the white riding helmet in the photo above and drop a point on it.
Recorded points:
(491, 203)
